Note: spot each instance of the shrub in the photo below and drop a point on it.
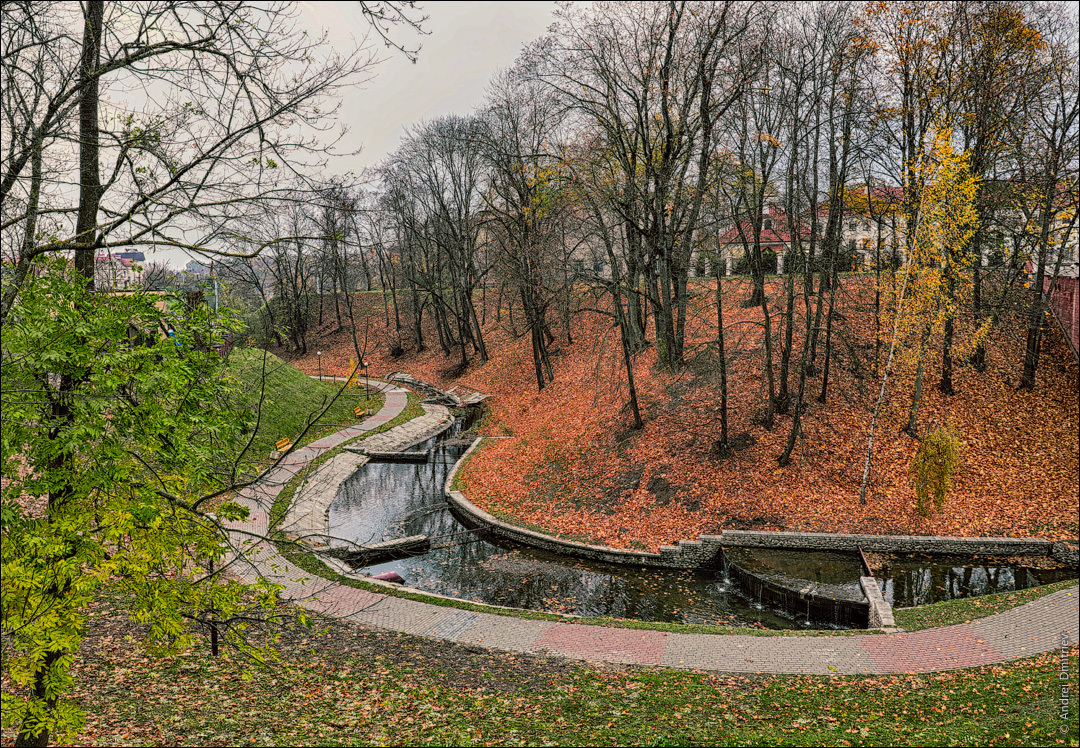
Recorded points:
(935, 464)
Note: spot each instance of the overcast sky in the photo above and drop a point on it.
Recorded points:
(467, 42)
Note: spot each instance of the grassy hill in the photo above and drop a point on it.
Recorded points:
(291, 400)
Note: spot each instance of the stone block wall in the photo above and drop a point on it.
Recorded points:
(689, 554)
(823, 541)
(881, 615)
(816, 600)
(706, 551)
(1067, 553)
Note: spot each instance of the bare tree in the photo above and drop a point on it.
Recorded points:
(652, 78)
(1048, 177)
(433, 183)
(156, 276)
(187, 113)
(525, 201)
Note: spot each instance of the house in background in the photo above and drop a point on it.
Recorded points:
(1064, 286)
(1065, 303)
(735, 244)
(117, 271)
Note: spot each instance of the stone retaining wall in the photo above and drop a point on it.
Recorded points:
(308, 516)
(305, 519)
(401, 377)
(823, 541)
(690, 554)
(816, 600)
(1066, 553)
(436, 419)
(881, 615)
(707, 552)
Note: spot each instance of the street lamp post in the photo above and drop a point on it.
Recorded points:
(319, 354)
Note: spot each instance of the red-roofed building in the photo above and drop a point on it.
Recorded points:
(116, 272)
(736, 242)
(864, 230)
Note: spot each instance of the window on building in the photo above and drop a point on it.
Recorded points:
(851, 226)
(768, 224)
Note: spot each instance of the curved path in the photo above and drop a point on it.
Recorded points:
(1029, 629)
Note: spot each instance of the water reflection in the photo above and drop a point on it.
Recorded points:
(911, 579)
(915, 580)
(383, 501)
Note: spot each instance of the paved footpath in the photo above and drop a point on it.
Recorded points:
(1027, 630)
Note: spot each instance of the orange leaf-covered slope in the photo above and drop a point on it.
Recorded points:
(574, 466)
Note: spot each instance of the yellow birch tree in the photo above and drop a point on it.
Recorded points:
(935, 277)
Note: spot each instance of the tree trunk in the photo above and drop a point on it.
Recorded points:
(946, 383)
(881, 392)
(1037, 312)
(89, 172)
(770, 404)
(418, 311)
(978, 357)
(833, 283)
(912, 427)
(624, 334)
(722, 446)
(796, 419)
(86, 239)
(783, 398)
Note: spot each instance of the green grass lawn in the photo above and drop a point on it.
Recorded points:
(343, 684)
(291, 400)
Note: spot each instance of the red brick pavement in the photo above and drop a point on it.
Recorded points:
(605, 644)
(946, 648)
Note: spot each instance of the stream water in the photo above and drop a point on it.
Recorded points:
(382, 501)
(908, 579)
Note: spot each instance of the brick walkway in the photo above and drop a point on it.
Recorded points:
(1027, 630)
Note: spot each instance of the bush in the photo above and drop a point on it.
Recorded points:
(935, 464)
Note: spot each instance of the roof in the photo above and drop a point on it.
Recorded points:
(778, 235)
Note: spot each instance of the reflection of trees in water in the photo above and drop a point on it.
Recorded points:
(369, 501)
(525, 578)
(826, 567)
(398, 499)
(383, 500)
(482, 570)
(919, 583)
